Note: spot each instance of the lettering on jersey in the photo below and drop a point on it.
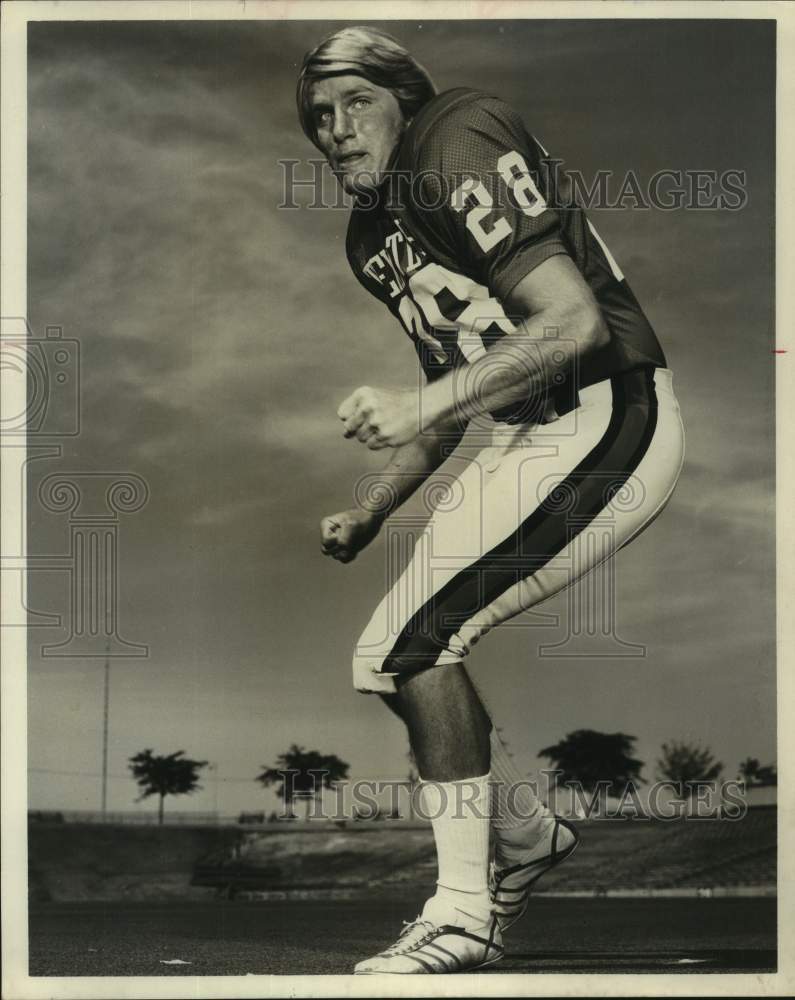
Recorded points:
(451, 318)
(399, 258)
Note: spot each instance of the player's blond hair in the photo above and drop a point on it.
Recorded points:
(372, 54)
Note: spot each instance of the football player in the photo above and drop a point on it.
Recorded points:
(523, 322)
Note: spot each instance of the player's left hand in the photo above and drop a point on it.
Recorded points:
(381, 418)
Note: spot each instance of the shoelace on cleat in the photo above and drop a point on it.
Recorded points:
(407, 941)
(493, 881)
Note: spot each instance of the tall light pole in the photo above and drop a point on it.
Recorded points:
(106, 707)
(214, 768)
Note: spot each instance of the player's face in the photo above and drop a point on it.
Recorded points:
(358, 125)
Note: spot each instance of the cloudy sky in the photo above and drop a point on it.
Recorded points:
(218, 335)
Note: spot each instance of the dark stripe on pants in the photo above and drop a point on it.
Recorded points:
(569, 508)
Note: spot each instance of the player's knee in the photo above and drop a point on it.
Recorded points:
(368, 675)
(376, 673)
(380, 655)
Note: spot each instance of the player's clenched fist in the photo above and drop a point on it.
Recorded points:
(344, 535)
(381, 418)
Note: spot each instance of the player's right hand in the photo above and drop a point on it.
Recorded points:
(344, 535)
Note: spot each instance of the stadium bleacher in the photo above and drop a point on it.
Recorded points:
(83, 861)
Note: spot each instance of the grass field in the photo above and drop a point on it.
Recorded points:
(328, 937)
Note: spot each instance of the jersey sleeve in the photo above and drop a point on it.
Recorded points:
(480, 195)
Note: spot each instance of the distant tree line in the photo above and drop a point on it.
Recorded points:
(589, 758)
(585, 757)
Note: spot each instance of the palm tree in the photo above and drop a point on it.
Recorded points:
(300, 773)
(173, 774)
(756, 776)
(591, 758)
(749, 768)
(687, 765)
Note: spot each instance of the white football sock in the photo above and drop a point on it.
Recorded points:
(520, 820)
(459, 814)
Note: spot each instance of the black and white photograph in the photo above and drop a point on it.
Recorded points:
(391, 576)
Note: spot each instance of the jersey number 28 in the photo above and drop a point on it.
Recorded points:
(513, 170)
